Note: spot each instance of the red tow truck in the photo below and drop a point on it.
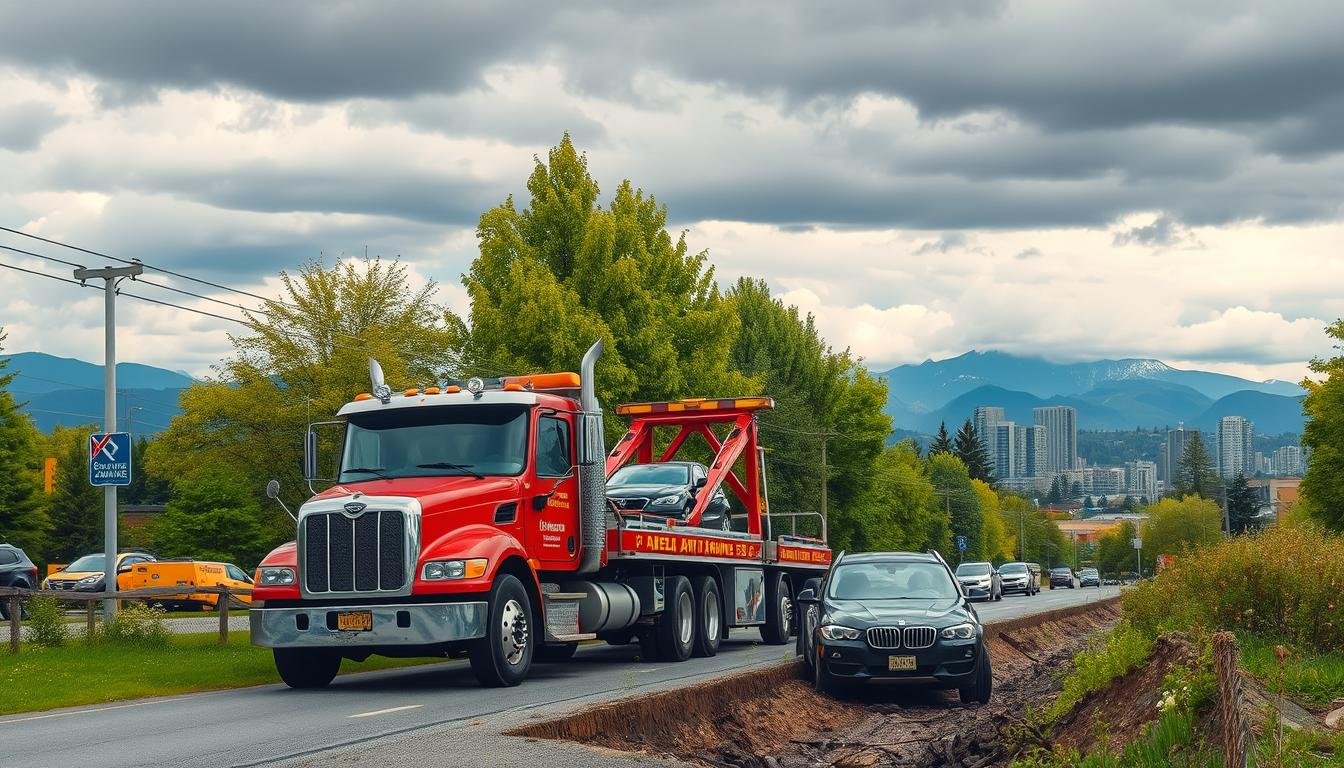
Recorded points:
(472, 519)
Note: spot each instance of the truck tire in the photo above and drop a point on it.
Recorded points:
(708, 616)
(305, 667)
(504, 656)
(555, 652)
(778, 626)
(674, 635)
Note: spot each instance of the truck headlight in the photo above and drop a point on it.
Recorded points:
(276, 577)
(959, 632)
(666, 501)
(837, 632)
(444, 570)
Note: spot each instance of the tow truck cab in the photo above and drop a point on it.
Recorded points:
(473, 519)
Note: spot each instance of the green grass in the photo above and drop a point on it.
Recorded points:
(80, 674)
(1123, 649)
(1314, 680)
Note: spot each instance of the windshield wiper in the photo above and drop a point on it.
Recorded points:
(379, 471)
(467, 468)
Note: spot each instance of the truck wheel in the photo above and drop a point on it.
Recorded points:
(306, 668)
(778, 626)
(503, 657)
(708, 616)
(674, 635)
(556, 652)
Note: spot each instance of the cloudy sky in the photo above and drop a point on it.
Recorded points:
(1074, 180)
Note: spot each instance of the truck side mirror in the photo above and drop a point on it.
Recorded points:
(309, 456)
(273, 489)
(807, 596)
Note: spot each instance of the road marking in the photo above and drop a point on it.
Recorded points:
(389, 710)
(83, 711)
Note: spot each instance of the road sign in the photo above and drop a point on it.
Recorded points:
(110, 458)
(1136, 542)
(961, 543)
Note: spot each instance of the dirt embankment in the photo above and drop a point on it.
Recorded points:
(772, 719)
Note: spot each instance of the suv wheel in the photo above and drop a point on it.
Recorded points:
(979, 691)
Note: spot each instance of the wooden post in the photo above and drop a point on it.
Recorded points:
(14, 608)
(1233, 730)
(222, 604)
(89, 626)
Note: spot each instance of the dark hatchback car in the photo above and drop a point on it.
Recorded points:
(895, 616)
(1061, 577)
(668, 489)
(16, 570)
(1089, 577)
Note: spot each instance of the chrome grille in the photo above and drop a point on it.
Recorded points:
(634, 502)
(362, 554)
(884, 637)
(919, 637)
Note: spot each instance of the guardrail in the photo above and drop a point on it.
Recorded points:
(15, 597)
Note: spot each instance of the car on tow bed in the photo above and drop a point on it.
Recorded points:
(1089, 577)
(1017, 577)
(893, 616)
(1061, 577)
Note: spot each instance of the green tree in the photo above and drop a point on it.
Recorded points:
(942, 443)
(969, 448)
(145, 487)
(213, 515)
(1057, 491)
(961, 504)
(1040, 540)
(1194, 474)
(74, 507)
(1115, 550)
(1088, 503)
(23, 516)
(1323, 483)
(996, 543)
(1242, 505)
(1175, 525)
(896, 511)
(1076, 490)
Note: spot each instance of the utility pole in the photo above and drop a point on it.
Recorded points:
(110, 277)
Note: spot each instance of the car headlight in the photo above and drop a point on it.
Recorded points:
(666, 501)
(444, 570)
(276, 577)
(959, 632)
(837, 632)
(91, 579)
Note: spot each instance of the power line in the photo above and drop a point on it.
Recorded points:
(91, 417)
(42, 274)
(42, 256)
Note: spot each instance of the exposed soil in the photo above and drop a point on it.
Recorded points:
(772, 719)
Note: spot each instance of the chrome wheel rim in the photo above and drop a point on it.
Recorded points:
(786, 611)
(685, 618)
(513, 632)
(711, 616)
(726, 523)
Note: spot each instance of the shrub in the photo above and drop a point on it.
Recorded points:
(46, 622)
(1122, 650)
(1282, 583)
(138, 624)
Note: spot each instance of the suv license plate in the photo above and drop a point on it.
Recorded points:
(354, 621)
(901, 663)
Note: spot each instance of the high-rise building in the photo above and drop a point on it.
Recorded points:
(1010, 450)
(1177, 440)
(1288, 461)
(985, 419)
(1141, 479)
(1037, 450)
(1162, 476)
(1061, 436)
(1235, 449)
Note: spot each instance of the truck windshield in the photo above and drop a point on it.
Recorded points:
(426, 442)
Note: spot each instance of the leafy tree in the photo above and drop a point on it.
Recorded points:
(1115, 550)
(996, 543)
(213, 515)
(1323, 483)
(1103, 502)
(961, 504)
(74, 506)
(942, 443)
(1129, 504)
(1194, 474)
(897, 509)
(1174, 525)
(23, 516)
(1041, 540)
(146, 487)
(1242, 505)
(972, 453)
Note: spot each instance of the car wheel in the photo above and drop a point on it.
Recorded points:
(806, 622)
(504, 656)
(305, 667)
(822, 682)
(778, 626)
(552, 653)
(708, 616)
(674, 634)
(979, 691)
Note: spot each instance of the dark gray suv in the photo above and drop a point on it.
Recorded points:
(16, 570)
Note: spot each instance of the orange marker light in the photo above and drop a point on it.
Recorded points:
(475, 569)
(431, 390)
(511, 387)
(412, 392)
(363, 396)
(452, 390)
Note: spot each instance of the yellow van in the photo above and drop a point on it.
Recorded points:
(190, 573)
(86, 573)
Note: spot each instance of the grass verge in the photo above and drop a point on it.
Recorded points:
(1314, 680)
(80, 674)
(1122, 649)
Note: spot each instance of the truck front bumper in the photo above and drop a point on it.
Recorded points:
(404, 624)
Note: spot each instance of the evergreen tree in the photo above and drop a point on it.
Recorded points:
(146, 487)
(1242, 504)
(1087, 503)
(972, 453)
(213, 515)
(1056, 494)
(23, 517)
(1323, 436)
(1194, 474)
(75, 507)
(1076, 489)
(942, 443)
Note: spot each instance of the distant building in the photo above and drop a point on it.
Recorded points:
(1141, 479)
(1234, 450)
(1037, 447)
(986, 418)
(1162, 476)
(1177, 440)
(1288, 461)
(1106, 481)
(1061, 436)
(1010, 451)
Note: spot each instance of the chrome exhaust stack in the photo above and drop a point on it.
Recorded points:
(592, 469)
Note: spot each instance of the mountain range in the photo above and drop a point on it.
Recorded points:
(1109, 394)
(62, 391)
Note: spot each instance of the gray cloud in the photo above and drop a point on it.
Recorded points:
(23, 126)
(487, 115)
(1163, 232)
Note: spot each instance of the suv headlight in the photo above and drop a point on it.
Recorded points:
(837, 632)
(959, 632)
(445, 570)
(276, 577)
(666, 501)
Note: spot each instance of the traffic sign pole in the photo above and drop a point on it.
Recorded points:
(110, 277)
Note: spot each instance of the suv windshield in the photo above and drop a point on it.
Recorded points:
(1060, 571)
(973, 569)
(86, 563)
(1088, 572)
(425, 442)
(651, 474)
(1013, 568)
(891, 581)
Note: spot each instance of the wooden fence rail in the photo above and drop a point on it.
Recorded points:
(15, 598)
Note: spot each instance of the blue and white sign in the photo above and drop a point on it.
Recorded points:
(961, 543)
(110, 458)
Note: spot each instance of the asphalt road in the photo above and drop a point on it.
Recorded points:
(391, 717)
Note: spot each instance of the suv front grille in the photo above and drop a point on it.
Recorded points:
(884, 637)
(919, 637)
(363, 554)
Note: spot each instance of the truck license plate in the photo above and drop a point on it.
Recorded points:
(356, 621)
(901, 663)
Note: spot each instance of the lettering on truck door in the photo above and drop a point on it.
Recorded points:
(553, 531)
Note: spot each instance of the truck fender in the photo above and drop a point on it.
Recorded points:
(491, 543)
